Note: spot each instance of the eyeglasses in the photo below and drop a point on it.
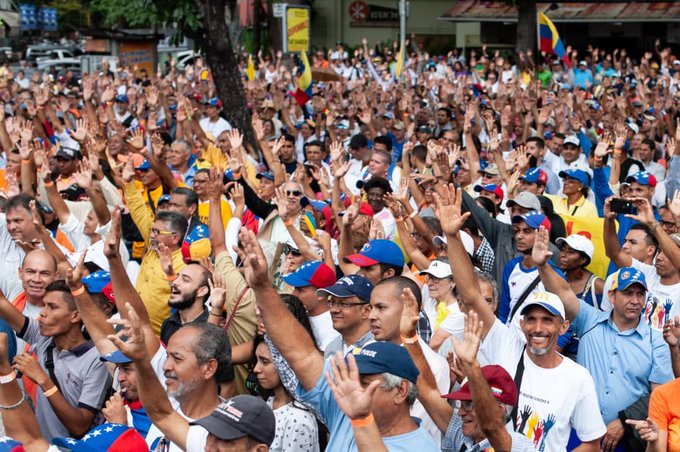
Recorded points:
(343, 304)
(292, 251)
(200, 181)
(464, 404)
(293, 193)
(155, 231)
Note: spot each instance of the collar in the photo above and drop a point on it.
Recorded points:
(642, 328)
(136, 405)
(78, 350)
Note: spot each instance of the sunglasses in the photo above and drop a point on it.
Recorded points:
(293, 193)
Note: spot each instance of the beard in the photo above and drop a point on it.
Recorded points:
(186, 302)
(183, 387)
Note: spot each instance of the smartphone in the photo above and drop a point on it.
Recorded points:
(620, 205)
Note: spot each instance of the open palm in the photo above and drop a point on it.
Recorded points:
(353, 399)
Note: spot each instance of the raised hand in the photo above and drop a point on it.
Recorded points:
(645, 214)
(409, 314)
(235, 139)
(81, 134)
(541, 252)
(136, 139)
(134, 347)
(112, 243)
(353, 399)
(165, 256)
(277, 145)
(336, 150)
(215, 186)
(254, 260)
(84, 175)
(674, 205)
(258, 127)
(671, 331)
(377, 231)
(466, 350)
(151, 96)
(281, 203)
(236, 194)
(218, 291)
(128, 171)
(448, 209)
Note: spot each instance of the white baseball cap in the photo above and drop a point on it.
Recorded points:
(438, 269)
(580, 243)
(468, 243)
(547, 300)
(572, 139)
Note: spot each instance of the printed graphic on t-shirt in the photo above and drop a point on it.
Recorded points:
(657, 310)
(534, 426)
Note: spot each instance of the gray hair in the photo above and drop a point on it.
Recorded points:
(508, 412)
(212, 343)
(489, 279)
(392, 381)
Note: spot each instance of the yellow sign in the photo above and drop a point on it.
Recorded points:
(591, 228)
(297, 29)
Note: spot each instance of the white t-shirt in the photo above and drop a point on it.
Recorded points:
(663, 301)
(322, 325)
(296, 428)
(551, 401)
(196, 438)
(214, 128)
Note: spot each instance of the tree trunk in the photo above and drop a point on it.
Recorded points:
(221, 58)
(526, 26)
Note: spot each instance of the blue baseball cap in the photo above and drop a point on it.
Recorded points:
(577, 174)
(115, 357)
(314, 273)
(626, 277)
(379, 251)
(491, 188)
(121, 98)
(318, 205)
(162, 199)
(380, 357)
(269, 175)
(349, 286)
(214, 102)
(642, 178)
(145, 165)
(534, 219)
(105, 437)
(535, 176)
(95, 282)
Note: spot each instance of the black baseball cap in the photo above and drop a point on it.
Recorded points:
(358, 141)
(240, 416)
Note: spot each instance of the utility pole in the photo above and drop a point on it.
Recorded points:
(402, 22)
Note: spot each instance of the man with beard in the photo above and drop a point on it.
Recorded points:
(188, 294)
(555, 394)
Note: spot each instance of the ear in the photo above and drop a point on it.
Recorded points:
(365, 311)
(401, 392)
(192, 209)
(209, 369)
(202, 291)
(75, 317)
(564, 327)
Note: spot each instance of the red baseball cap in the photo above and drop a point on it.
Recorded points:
(501, 383)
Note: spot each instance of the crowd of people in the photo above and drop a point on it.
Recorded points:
(463, 252)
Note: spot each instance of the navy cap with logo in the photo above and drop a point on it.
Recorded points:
(349, 286)
(241, 416)
(386, 357)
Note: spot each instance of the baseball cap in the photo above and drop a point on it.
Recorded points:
(579, 243)
(269, 175)
(579, 175)
(313, 273)
(349, 286)
(388, 115)
(140, 163)
(490, 169)
(642, 178)
(438, 269)
(196, 244)
(376, 182)
(115, 357)
(632, 126)
(525, 199)
(533, 219)
(240, 416)
(105, 437)
(214, 102)
(68, 153)
(535, 176)
(502, 386)
(358, 141)
(424, 129)
(547, 300)
(466, 238)
(637, 103)
(379, 251)
(121, 98)
(8, 444)
(318, 205)
(163, 199)
(386, 357)
(73, 192)
(399, 125)
(366, 209)
(491, 188)
(626, 277)
(99, 282)
(572, 139)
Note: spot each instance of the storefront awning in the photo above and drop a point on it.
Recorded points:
(481, 11)
(11, 18)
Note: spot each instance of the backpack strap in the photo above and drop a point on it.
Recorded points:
(530, 288)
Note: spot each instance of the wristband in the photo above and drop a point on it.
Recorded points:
(399, 219)
(10, 377)
(78, 291)
(48, 184)
(413, 214)
(170, 277)
(364, 421)
(409, 340)
(290, 222)
(50, 392)
(26, 161)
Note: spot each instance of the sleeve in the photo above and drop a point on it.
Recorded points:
(110, 192)
(197, 437)
(601, 185)
(96, 383)
(300, 433)
(321, 398)
(242, 328)
(585, 319)
(673, 176)
(79, 209)
(586, 418)
(73, 228)
(504, 304)
(493, 344)
(231, 236)
(487, 225)
(11, 340)
(662, 370)
(140, 212)
(659, 410)
(31, 332)
(259, 207)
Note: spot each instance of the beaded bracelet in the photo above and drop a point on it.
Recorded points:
(24, 397)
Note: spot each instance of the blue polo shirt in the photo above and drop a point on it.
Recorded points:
(321, 398)
(622, 363)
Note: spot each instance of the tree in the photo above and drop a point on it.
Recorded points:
(526, 25)
(205, 22)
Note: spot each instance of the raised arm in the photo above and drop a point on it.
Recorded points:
(551, 280)
(611, 241)
(295, 345)
(645, 215)
(448, 212)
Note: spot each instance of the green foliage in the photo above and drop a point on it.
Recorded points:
(181, 14)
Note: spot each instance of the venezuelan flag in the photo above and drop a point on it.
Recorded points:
(550, 39)
(304, 83)
(250, 69)
(400, 64)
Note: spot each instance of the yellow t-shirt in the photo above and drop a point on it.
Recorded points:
(204, 212)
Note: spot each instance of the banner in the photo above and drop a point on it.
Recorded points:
(296, 29)
(591, 228)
